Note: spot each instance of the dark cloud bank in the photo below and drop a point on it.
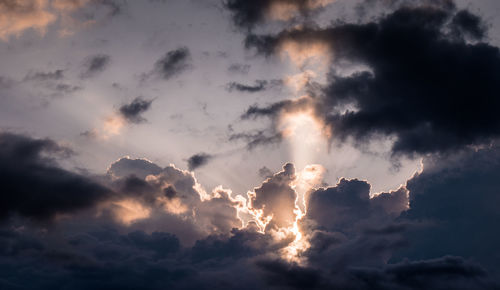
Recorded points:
(143, 226)
(431, 81)
(61, 229)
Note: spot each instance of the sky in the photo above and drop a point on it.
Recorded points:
(236, 144)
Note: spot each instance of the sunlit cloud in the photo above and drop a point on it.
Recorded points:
(20, 15)
(128, 211)
(298, 82)
(312, 53)
(286, 10)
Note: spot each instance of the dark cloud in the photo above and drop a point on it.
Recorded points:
(198, 160)
(348, 204)
(95, 64)
(34, 185)
(260, 85)
(173, 63)
(442, 273)
(453, 201)
(45, 76)
(248, 14)
(139, 167)
(258, 138)
(351, 239)
(132, 112)
(425, 64)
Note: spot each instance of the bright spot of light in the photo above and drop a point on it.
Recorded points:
(310, 177)
(306, 135)
(128, 211)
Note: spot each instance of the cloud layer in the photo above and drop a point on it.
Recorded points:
(141, 221)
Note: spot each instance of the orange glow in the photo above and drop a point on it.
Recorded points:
(25, 14)
(113, 126)
(307, 179)
(306, 134)
(299, 53)
(298, 81)
(129, 211)
(285, 10)
(174, 206)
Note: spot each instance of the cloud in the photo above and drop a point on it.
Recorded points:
(127, 114)
(276, 198)
(132, 112)
(386, 95)
(247, 15)
(260, 85)
(258, 138)
(35, 186)
(192, 239)
(239, 68)
(138, 167)
(451, 201)
(172, 63)
(45, 76)
(16, 16)
(348, 204)
(198, 160)
(265, 172)
(442, 273)
(95, 64)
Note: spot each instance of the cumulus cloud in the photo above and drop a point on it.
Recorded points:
(157, 224)
(276, 198)
(147, 226)
(454, 197)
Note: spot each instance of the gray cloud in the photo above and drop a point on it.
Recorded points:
(132, 112)
(390, 97)
(95, 64)
(198, 160)
(45, 76)
(173, 63)
(239, 68)
(260, 85)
